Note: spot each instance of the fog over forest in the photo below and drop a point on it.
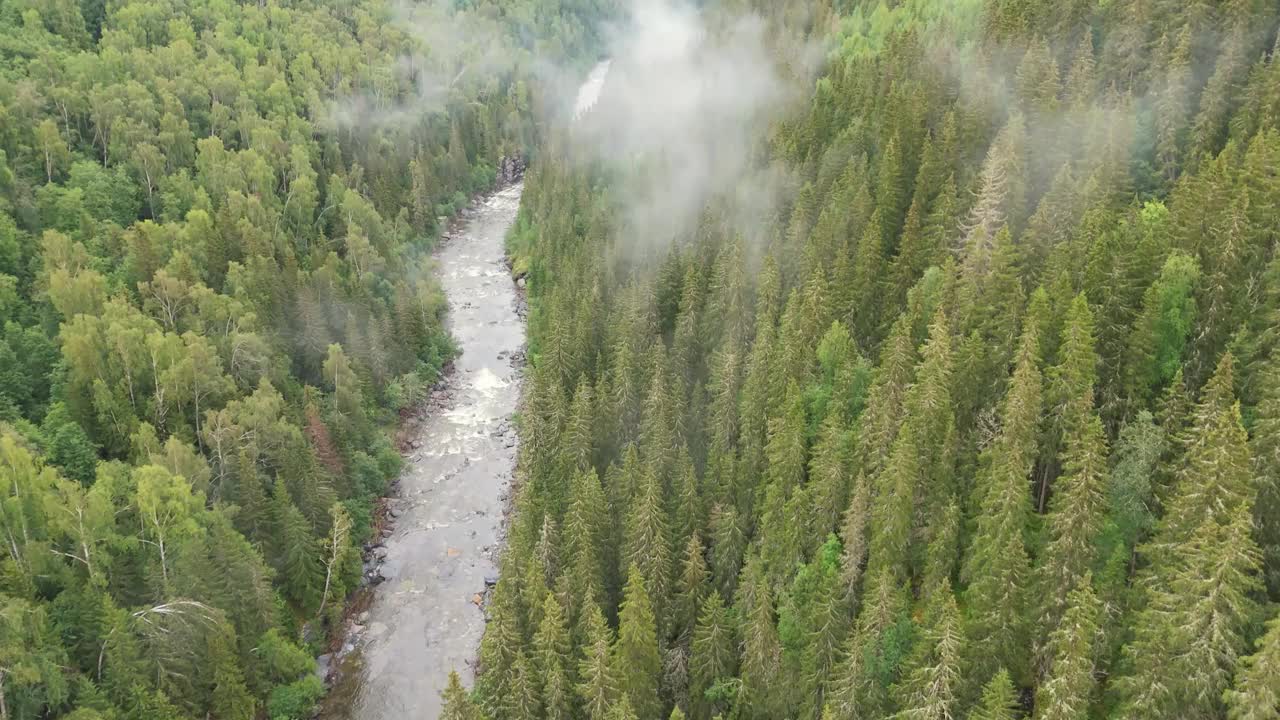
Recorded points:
(910, 360)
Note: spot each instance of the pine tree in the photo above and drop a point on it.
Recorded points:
(1067, 691)
(635, 656)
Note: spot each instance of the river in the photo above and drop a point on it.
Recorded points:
(425, 619)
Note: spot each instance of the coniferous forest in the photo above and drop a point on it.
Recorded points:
(979, 417)
(983, 421)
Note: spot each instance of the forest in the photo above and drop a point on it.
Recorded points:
(216, 295)
(983, 421)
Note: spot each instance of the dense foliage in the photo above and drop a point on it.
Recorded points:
(215, 291)
(987, 426)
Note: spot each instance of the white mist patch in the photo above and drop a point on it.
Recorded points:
(681, 112)
(589, 93)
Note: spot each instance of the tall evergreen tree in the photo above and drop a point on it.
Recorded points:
(635, 656)
(998, 566)
(1067, 691)
(1255, 695)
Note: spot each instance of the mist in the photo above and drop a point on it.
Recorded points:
(445, 49)
(681, 117)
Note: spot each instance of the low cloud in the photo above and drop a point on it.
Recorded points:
(681, 116)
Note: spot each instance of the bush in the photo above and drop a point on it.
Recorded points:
(295, 701)
(282, 659)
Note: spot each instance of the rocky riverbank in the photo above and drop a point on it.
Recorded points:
(438, 533)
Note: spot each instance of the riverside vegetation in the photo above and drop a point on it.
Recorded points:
(215, 293)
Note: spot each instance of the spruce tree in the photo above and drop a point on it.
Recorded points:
(634, 657)
(458, 704)
(1191, 633)
(551, 657)
(646, 546)
(761, 647)
(691, 588)
(714, 658)
(598, 682)
(931, 687)
(1215, 482)
(998, 567)
(999, 699)
(1067, 691)
(1075, 519)
(1256, 693)
(1264, 445)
